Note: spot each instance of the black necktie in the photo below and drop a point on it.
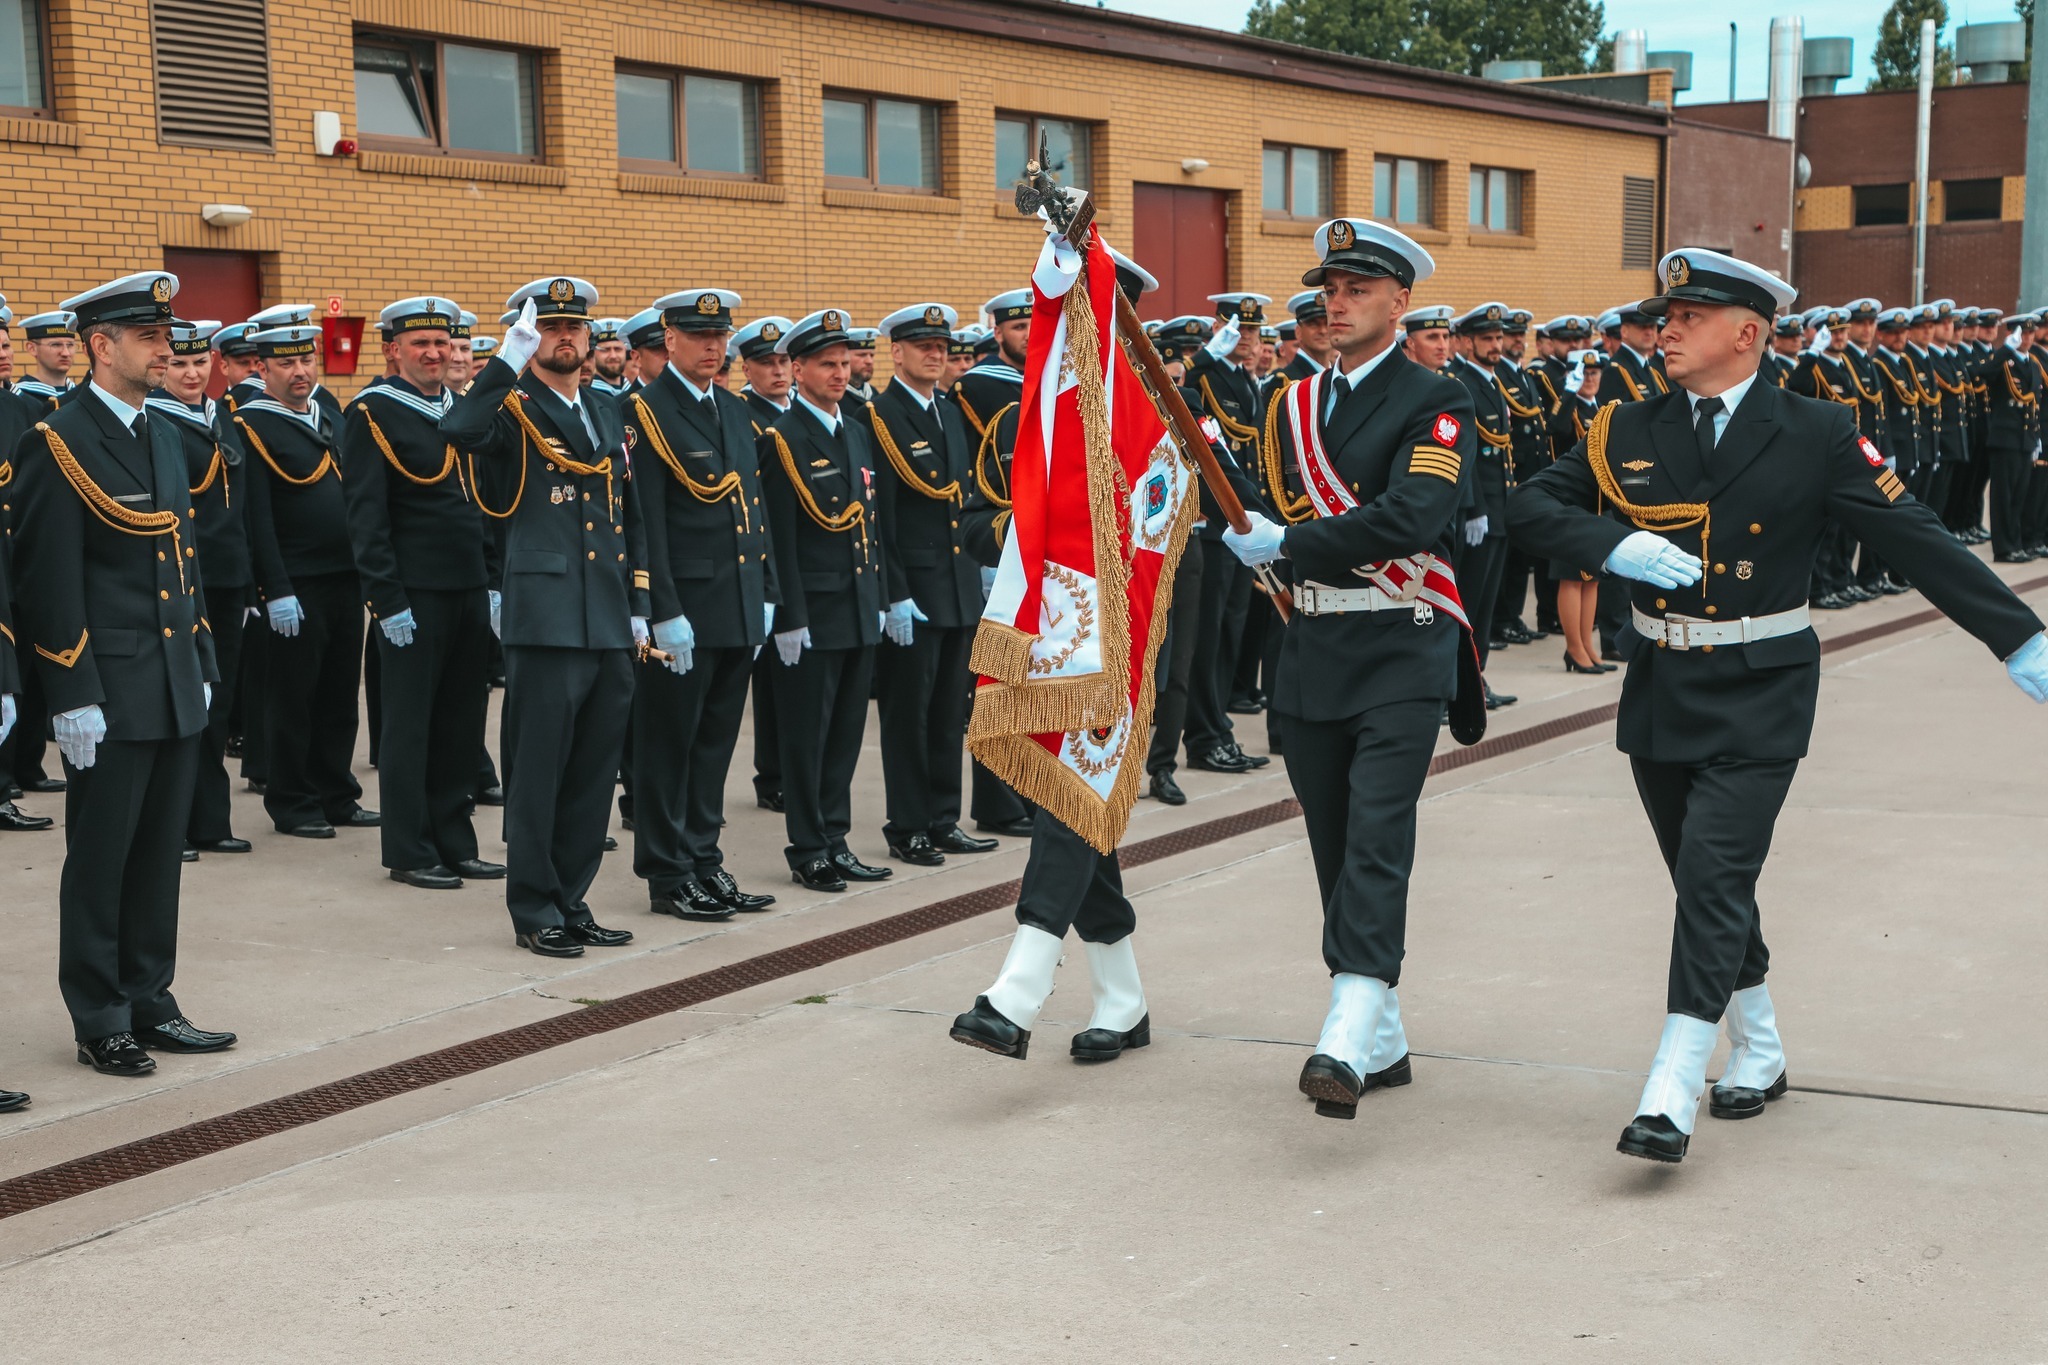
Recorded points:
(1703, 415)
(141, 424)
(709, 406)
(1339, 387)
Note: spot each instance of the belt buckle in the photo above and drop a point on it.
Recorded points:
(1305, 599)
(1677, 633)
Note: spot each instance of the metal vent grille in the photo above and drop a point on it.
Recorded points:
(212, 72)
(1638, 223)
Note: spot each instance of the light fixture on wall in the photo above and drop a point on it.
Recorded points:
(227, 215)
(1193, 165)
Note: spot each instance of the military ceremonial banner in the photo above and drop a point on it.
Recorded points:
(1100, 510)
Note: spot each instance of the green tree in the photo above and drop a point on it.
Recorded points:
(1444, 35)
(1897, 54)
(2022, 71)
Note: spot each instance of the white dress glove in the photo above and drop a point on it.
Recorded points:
(6, 715)
(79, 733)
(678, 640)
(1475, 530)
(640, 635)
(521, 339)
(791, 644)
(398, 629)
(285, 614)
(205, 692)
(497, 612)
(1225, 341)
(2028, 668)
(896, 622)
(1649, 558)
(767, 618)
(1262, 544)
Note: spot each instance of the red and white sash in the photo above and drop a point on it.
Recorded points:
(1420, 577)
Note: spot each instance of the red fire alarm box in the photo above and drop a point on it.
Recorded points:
(341, 340)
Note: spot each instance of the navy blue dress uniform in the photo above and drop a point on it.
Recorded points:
(1632, 376)
(291, 315)
(2036, 523)
(555, 470)
(306, 577)
(215, 472)
(709, 561)
(923, 687)
(22, 748)
(1529, 428)
(1718, 704)
(36, 396)
(819, 471)
(419, 540)
(1825, 373)
(1488, 477)
(760, 337)
(111, 595)
(1364, 676)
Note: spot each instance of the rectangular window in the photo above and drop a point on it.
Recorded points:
(1297, 182)
(713, 129)
(1882, 205)
(419, 94)
(22, 58)
(1638, 223)
(1404, 191)
(1066, 147)
(1496, 203)
(1972, 201)
(875, 143)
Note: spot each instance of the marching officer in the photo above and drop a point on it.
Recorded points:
(306, 576)
(419, 540)
(1724, 667)
(712, 583)
(934, 590)
(573, 609)
(820, 477)
(1368, 662)
(109, 588)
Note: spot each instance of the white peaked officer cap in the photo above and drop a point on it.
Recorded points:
(1363, 247)
(920, 322)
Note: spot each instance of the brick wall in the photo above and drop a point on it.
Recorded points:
(1730, 191)
(93, 193)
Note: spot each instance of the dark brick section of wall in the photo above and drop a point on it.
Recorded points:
(1976, 264)
(1730, 191)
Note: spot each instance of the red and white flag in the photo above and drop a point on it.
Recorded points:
(1101, 505)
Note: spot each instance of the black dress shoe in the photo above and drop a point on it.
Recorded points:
(985, 1027)
(359, 819)
(916, 850)
(491, 796)
(1221, 759)
(1333, 1085)
(254, 785)
(596, 935)
(228, 845)
(818, 874)
(1253, 761)
(769, 801)
(11, 1100)
(182, 1035)
(477, 870)
(231, 747)
(435, 878)
(721, 885)
(312, 829)
(1743, 1102)
(12, 792)
(1609, 654)
(2017, 557)
(1654, 1138)
(954, 839)
(1893, 587)
(188, 854)
(1166, 791)
(689, 901)
(1244, 706)
(553, 941)
(854, 870)
(14, 818)
(611, 845)
(1496, 700)
(117, 1054)
(1515, 633)
(626, 824)
(1106, 1044)
(46, 785)
(1019, 828)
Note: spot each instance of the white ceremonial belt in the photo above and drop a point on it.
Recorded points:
(1318, 599)
(1689, 632)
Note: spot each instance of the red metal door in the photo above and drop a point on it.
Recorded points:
(219, 286)
(1182, 235)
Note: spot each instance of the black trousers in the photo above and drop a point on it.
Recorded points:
(684, 731)
(921, 692)
(373, 691)
(310, 714)
(1514, 586)
(22, 752)
(564, 727)
(1176, 662)
(994, 801)
(1479, 573)
(821, 711)
(436, 696)
(1259, 622)
(1714, 823)
(767, 733)
(1208, 723)
(117, 899)
(2035, 527)
(1068, 885)
(1610, 610)
(209, 820)
(252, 698)
(1358, 780)
(2011, 472)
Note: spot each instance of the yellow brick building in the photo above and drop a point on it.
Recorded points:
(131, 117)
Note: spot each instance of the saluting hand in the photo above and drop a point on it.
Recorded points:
(522, 338)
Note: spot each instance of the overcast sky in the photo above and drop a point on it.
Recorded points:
(1699, 29)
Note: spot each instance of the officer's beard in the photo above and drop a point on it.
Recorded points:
(552, 360)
